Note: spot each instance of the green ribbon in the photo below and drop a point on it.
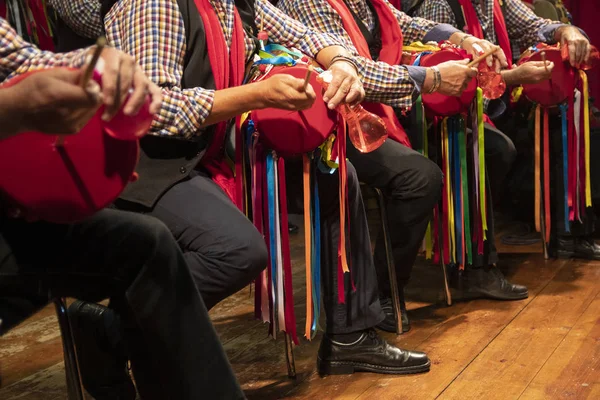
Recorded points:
(462, 143)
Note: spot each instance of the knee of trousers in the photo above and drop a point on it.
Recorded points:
(252, 256)
(423, 180)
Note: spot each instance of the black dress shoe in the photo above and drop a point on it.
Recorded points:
(389, 323)
(581, 247)
(103, 368)
(369, 353)
(489, 282)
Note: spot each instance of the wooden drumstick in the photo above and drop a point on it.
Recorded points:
(483, 56)
(307, 77)
(87, 75)
(543, 55)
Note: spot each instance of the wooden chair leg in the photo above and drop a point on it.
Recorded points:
(74, 389)
(447, 293)
(289, 357)
(390, 262)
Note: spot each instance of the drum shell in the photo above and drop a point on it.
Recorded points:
(295, 132)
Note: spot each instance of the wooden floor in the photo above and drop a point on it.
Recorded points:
(545, 347)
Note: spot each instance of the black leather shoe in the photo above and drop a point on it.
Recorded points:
(489, 282)
(103, 370)
(582, 247)
(389, 323)
(369, 353)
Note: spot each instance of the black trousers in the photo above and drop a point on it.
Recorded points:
(133, 259)
(412, 186)
(361, 309)
(221, 246)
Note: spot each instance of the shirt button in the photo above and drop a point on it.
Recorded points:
(183, 170)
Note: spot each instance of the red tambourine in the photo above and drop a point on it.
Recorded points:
(437, 104)
(295, 132)
(68, 182)
(564, 78)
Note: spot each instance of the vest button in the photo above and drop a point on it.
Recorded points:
(183, 170)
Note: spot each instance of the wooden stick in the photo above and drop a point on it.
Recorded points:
(87, 75)
(483, 56)
(543, 55)
(307, 77)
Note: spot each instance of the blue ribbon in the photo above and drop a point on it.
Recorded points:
(417, 61)
(457, 189)
(272, 241)
(278, 60)
(316, 256)
(563, 117)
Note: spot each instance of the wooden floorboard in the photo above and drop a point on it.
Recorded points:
(545, 347)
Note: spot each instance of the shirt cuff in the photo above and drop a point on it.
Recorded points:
(440, 33)
(417, 74)
(546, 33)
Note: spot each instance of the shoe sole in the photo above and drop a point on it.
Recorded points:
(350, 367)
(487, 295)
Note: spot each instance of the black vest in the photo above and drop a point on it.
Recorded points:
(165, 161)
(373, 38)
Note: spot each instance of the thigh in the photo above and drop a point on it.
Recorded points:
(97, 257)
(496, 142)
(203, 218)
(395, 168)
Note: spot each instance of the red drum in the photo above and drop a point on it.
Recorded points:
(68, 182)
(563, 81)
(437, 104)
(295, 132)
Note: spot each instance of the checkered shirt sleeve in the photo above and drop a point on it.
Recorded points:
(383, 83)
(524, 27)
(83, 16)
(290, 33)
(152, 31)
(17, 56)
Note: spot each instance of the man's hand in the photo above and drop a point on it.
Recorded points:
(286, 92)
(528, 73)
(122, 77)
(476, 47)
(52, 102)
(579, 46)
(345, 86)
(456, 76)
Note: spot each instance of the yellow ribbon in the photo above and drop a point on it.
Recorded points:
(418, 47)
(481, 142)
(586, 137)
(449, 194)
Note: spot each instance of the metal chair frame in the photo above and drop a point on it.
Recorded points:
(74, 386)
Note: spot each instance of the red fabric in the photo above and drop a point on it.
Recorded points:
(397, 4)
(586, 15)
(473, 26)
(88, 172)
(45, 41)
(228, 71)
(391, 53)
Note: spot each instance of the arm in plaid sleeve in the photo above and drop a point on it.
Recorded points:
(420, 29)
(384, 83)
(17, 56)
(438, 11)
(525, 28)
(153, 32)
(290, 33)
(83, 16)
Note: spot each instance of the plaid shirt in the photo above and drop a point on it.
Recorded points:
(17, 56)
(525, 29)
(154, 33)
(384, 83)
(83, 16)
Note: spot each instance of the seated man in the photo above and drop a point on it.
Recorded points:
(412, 191)
(144, 28)
(524, 29)
(129, 257)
